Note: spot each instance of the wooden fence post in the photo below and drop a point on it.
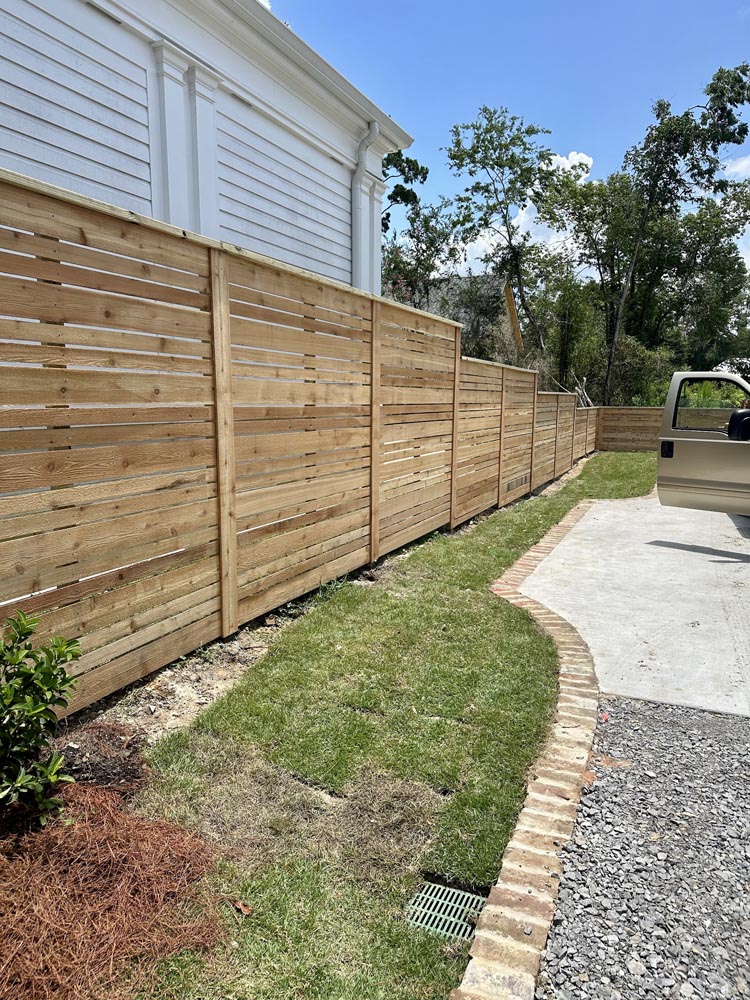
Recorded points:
(375, 394)
(573, 443)
(502, 442)
(533, 431)
(456, 417)
(557, 432)
(586, 443)
(224, 422)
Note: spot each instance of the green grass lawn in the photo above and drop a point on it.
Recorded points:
(386, 733)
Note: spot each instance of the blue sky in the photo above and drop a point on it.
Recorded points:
(589, 72)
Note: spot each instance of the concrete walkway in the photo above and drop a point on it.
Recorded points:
(661, 596)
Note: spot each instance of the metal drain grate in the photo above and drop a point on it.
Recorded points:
(451, 913)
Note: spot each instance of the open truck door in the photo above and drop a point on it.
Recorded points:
(704, 444)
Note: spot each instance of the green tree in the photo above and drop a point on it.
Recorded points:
(738, 357)
(711, 281)
(422, 255)
(477, 301)
(508, 168)
(677, 164)
(567, 306)
(402, 173)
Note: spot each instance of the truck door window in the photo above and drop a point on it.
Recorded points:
(705, 404)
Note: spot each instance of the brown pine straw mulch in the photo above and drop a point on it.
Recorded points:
(97, 898)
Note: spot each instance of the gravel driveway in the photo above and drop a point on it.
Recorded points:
(655, 896)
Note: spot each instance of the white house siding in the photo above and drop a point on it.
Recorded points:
(287, 199)
(209, 114)
(74, 101)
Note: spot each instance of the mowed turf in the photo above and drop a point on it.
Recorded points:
(387, 733)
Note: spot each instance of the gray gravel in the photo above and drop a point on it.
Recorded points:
(655, 896)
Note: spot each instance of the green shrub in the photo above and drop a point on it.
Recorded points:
(33, 683)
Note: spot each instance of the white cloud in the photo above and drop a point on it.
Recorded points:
(540, 232)
(265, 3)
(485, 243)
(738, 168)
(574, 159)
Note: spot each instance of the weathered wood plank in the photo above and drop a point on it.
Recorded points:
(27, 299)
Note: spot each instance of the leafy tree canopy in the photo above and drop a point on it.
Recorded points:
(402, 173)
(646, 275)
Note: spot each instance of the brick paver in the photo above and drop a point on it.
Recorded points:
(513, 928)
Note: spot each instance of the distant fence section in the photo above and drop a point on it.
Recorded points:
(629, 428)
(191, 436)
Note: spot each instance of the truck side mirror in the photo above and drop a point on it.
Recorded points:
(739, 426)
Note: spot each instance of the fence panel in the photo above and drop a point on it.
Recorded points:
(520, 394)
(564, 443)
(579, 434)
(545, 438)
(591, 429)
(108, 502)
(417, 359)
(480, 412)
(629, 428)
(301, 385)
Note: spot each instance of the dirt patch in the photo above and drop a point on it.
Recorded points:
(107, 754)
(98, 892)
(259, 813)
(386, 824)
(170, 698)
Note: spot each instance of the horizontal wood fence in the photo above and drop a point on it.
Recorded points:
(191, 436)
(629, 428)
(637, 428)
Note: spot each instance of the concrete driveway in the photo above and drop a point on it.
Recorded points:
(662, 597)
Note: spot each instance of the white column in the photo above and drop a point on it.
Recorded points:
(171, 67)
(361, 240)
(204, 190)
(376, 235)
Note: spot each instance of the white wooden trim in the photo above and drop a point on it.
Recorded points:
(171, 67)
(202, 88)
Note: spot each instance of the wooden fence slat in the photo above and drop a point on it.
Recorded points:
(225, 461)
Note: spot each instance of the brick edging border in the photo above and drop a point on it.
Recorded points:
(512, 931)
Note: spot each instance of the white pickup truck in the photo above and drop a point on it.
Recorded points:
(704, 443)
